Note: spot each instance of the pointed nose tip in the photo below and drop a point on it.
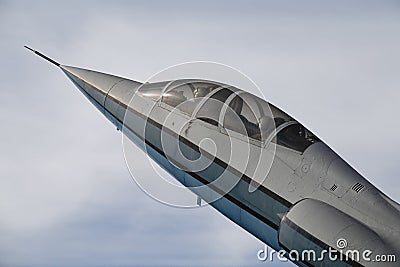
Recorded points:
(108, 93)
(95, 85)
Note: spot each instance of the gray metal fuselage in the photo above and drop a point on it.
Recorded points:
(305, 197)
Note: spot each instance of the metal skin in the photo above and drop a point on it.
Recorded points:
(305, 197)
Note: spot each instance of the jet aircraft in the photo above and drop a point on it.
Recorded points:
(266, 172)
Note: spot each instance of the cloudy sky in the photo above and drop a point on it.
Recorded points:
(66, 197)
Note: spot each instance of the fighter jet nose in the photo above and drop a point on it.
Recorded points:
(95, 85)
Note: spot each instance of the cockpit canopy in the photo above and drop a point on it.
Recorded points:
(231, 109)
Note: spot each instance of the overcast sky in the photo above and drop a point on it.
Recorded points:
(66, 197)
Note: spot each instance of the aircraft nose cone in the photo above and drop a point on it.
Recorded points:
(95, 85)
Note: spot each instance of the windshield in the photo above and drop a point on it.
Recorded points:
(232, 109)
(187, 95)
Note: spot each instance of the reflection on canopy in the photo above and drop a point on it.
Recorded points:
(231, 109)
